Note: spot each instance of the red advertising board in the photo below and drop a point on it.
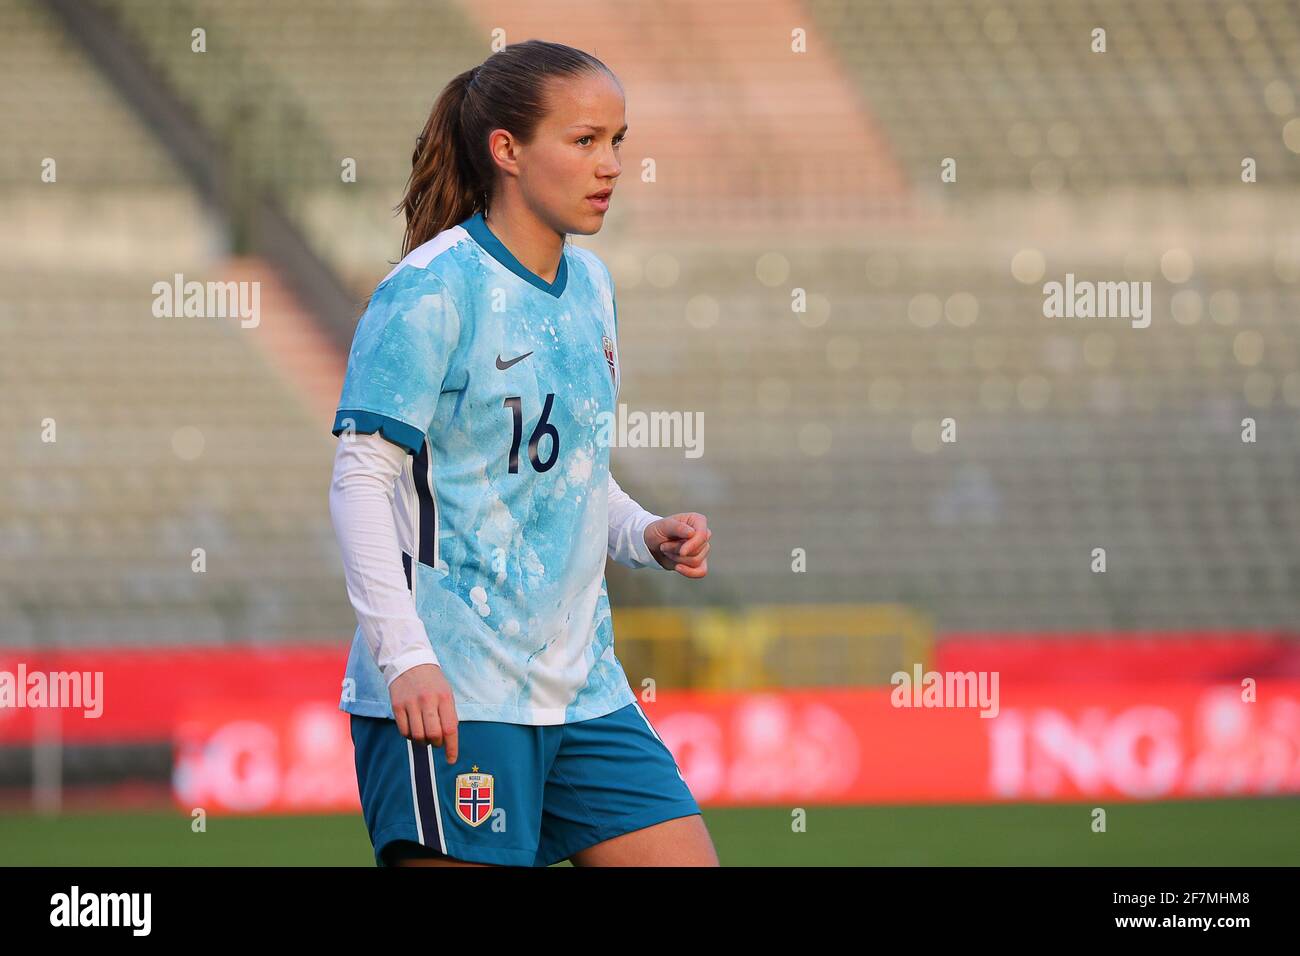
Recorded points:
(144, 690)
(797, 748)
(249, 757)
(1088, 717)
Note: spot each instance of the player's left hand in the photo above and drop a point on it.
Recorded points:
(680, 543)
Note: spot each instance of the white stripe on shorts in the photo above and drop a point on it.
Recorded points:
(637, 705)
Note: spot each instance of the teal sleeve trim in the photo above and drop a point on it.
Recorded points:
(367, 423)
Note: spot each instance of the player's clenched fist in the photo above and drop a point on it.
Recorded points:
(424, 707)
(680, 543)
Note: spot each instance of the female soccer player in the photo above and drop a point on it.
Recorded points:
(491, 720)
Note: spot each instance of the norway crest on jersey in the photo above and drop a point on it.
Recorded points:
(609, 354)
(474, 795)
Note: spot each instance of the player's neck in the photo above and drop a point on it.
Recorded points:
(536, 245)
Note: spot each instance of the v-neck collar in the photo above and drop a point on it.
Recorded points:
(478, 229)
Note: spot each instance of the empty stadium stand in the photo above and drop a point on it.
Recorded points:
(822, 427)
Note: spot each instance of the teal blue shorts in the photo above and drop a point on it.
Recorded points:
(518, 794)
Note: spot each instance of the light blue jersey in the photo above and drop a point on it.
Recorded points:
(495, 381)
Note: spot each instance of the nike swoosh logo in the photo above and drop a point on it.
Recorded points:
(505, 365)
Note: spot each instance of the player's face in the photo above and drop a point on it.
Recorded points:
(575, 153)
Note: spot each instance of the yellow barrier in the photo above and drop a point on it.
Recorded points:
(771, 645)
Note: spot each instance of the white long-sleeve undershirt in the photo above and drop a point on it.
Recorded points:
(366, 470)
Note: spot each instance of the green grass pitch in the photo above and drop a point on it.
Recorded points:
(1257, 832)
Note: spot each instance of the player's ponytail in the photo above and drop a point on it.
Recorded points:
(440, 192)
(451, 173)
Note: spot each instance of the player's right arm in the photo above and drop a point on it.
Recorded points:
(398, 362)
(366, 468)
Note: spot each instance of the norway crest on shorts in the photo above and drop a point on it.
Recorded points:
(474, 793)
